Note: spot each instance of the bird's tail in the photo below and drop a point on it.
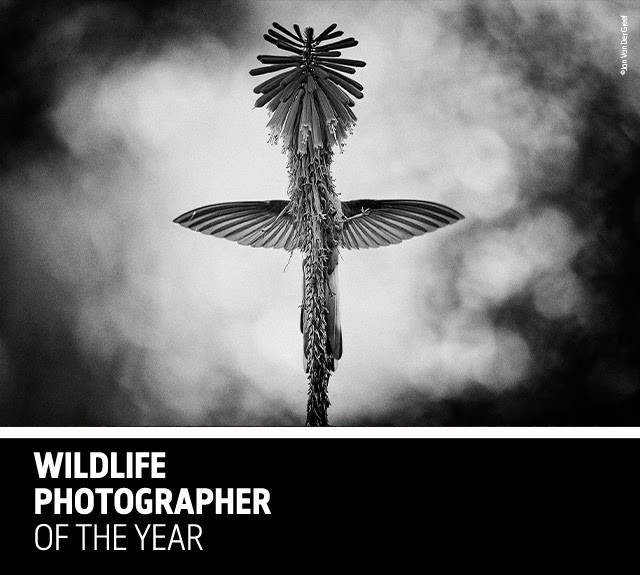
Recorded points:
(334, 331)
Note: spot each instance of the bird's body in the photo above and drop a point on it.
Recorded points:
(311, 113)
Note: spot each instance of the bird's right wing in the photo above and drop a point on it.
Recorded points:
(375, 223)
(255, 224)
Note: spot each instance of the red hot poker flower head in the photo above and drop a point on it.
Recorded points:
(310, 98)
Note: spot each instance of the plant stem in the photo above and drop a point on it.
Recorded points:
(317, 213)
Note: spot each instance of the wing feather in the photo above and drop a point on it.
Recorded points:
(394, 233)
(255, 224)
(369, 223)
(375, 223)
(374, 232)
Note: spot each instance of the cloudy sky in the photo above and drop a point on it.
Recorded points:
(115, 117)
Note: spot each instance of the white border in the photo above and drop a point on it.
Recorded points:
(316, 432)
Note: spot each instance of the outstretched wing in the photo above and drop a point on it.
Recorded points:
(255, 224)
(375, 223)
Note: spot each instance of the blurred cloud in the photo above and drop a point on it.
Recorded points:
(504, 261)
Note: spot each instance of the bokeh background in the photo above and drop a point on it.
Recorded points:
(115, 117)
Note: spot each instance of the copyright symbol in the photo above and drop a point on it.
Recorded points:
(622, 72)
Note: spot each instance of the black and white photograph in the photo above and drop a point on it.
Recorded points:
(400, 213)
(314, 276)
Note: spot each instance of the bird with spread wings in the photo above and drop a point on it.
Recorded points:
(310, 104)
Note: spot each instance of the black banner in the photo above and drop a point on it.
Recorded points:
(219, 497)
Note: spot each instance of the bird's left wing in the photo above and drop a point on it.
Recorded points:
(375, 223)
(255, 224)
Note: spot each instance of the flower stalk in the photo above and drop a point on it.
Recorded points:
(310, 113)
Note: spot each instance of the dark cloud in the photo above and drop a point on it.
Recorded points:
(43, 43)
(585, 367)
(47, 377)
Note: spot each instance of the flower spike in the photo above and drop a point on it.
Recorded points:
(310, 104)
